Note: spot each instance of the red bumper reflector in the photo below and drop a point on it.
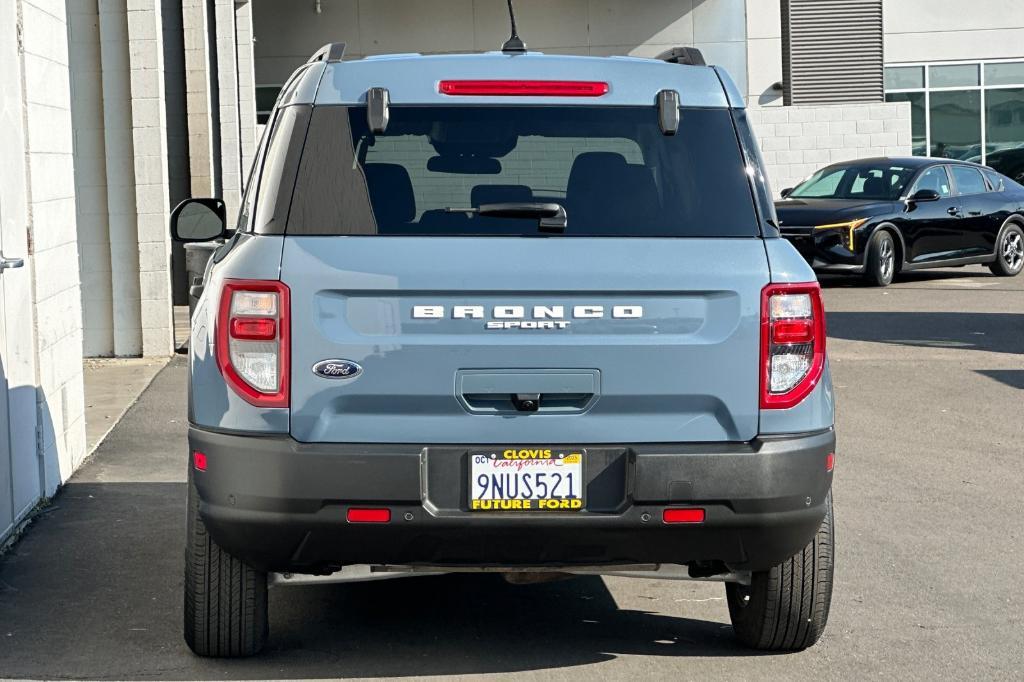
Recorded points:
(683, 516)
(524, 88)
(830, 461)
(199, 461)
(253, 328)
(369, 515)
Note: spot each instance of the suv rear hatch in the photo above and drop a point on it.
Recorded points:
(639, 322)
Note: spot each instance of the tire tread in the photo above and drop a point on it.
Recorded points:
(225, 599)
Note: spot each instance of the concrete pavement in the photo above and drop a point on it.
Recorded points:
(930, 381)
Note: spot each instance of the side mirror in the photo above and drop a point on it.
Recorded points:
(786, 192)
(198, 220)
(924, 195)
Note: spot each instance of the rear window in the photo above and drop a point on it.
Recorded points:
(610, 168)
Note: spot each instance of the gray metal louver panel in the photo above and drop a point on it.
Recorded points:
(832, 51)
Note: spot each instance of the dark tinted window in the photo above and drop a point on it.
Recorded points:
(968, 180)
(934, 178)
(995, 180)
(872, 181)
(611, 168)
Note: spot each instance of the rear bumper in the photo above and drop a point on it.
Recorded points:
(281, 505)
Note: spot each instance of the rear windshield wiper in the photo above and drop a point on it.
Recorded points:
(551, 217)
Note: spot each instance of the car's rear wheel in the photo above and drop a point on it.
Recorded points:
(786, 607)
(880, 259)
(225, 600)
(1009, 253)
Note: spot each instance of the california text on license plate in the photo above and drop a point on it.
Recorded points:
(526, 479)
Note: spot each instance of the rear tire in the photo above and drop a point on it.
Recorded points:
(1009, 253)
(225, 600)
(880, 259)
(786, 607)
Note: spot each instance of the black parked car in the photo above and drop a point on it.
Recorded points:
(876, 217)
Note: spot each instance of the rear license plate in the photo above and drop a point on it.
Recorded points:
(526, 479)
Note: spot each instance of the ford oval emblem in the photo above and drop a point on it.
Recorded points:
(337, 369)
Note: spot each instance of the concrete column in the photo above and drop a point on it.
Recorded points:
(227, 86)
(90, 178)
(198, 97)
(53, 238)
(120, 166)
(152, 198)
(179, 185)
(246, 86)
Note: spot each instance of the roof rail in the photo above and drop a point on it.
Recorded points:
(683, 55)
(331, 52)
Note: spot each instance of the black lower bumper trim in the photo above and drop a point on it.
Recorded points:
(281, 505)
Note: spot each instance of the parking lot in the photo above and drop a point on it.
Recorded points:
(929, 496)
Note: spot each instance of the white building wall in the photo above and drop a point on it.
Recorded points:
(152, 199)
(796, 141)
(120, 166)
(246, 87)
(764, 52)
(227, 88)
(940, 30)
(24, 477)
(198, 97)
(52, 233)
(287, 33)
(90, 178)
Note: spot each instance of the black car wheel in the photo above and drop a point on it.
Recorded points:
(880, 259)
(786, 607)
(1009, 253)
(225, 600)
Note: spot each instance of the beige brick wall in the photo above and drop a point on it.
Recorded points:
(796, 141)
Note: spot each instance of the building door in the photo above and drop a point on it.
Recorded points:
(8, 512)
(21, 474)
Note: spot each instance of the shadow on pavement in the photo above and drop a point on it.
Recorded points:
(93, 590)
(992, 332)
(1013, 378)
(98, 579)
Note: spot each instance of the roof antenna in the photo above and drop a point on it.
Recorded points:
(514, 44)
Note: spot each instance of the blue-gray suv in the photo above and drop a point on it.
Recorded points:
(506, 312)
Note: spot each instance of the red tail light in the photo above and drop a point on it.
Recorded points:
(792, 343)
(252, 340)
(199, 461)
(504, 88)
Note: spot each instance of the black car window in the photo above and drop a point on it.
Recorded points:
(968, 180)
(611, 168)
(863, 180)
(934, 178)
(995, 180)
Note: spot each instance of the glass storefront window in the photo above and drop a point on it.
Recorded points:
(1004, 73)
(918, 127)
(956, 124)
(1004, 131)
(955, 113)
(953, 76)
(904, 77)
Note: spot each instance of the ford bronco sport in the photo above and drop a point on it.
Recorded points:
(507, 312)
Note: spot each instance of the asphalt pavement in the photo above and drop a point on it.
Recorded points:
(929, 375)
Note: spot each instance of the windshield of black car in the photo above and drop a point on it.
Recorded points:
(611, 168)
(861, 181)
